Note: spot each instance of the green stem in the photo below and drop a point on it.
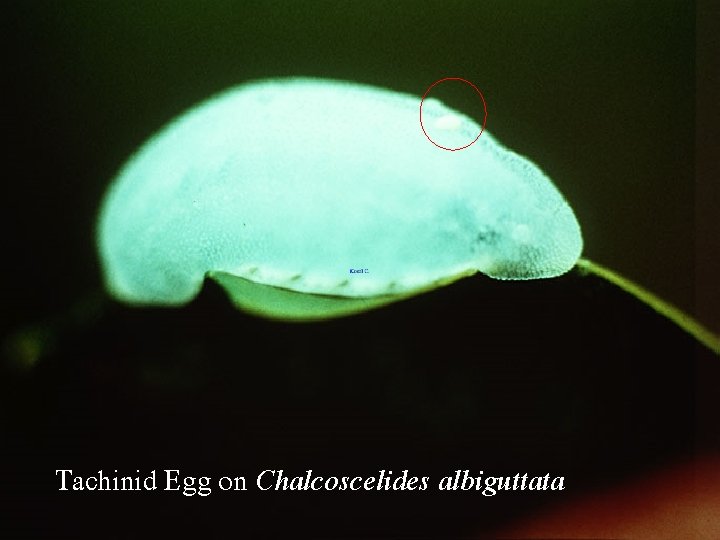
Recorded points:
(676, 315)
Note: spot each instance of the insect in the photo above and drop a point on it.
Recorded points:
(275, 188)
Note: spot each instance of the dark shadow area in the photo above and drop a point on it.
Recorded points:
(567, 376)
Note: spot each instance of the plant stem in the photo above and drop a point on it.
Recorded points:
(675, 314)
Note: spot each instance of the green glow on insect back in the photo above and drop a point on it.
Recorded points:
(308, 199)
(292, 183)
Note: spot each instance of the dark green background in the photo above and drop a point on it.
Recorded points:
(567, 376)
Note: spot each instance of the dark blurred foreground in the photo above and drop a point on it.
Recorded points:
(568, 376)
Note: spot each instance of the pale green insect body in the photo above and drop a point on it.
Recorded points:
(279, 188)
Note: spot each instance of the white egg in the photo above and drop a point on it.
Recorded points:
(448, 122)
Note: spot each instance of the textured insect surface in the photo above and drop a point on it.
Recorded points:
(309, 198)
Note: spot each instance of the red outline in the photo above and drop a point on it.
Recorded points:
(484, 108)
